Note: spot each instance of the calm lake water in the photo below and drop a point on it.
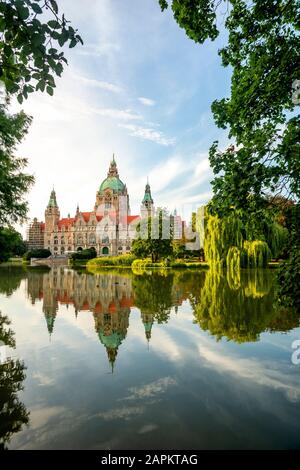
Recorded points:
(160, 360)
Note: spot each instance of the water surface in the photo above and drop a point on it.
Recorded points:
(192, 360)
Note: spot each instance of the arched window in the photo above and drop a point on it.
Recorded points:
(92, 239)
(55, 240)
(105, 239)
(105, 250)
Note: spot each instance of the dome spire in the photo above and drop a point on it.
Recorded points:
(113, 170)
(52, 200)
(147, 196)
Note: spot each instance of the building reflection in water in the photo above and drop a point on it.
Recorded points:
(238, 309)
(109, 297)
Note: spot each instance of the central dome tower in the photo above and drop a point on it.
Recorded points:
(112, 195)
(112, 181)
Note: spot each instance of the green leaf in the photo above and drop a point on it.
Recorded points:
(36, 8)
(52, 63)
(23, 12)
(20, 98)
(62, 39)
(54, 5)
(53, 24)
(73, 43)
(59, 68)
(41, 85)
(49, 90)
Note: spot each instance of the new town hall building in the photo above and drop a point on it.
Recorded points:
(109, 227)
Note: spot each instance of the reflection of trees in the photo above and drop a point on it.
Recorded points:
(153, 293)
(13, 414)
(10, 278)
(240, 308)
(285, 319)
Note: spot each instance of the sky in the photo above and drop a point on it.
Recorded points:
(138, 88)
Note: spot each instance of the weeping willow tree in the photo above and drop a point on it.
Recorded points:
(236, 306)
(255, 254)
(233, 261)
(230, 242)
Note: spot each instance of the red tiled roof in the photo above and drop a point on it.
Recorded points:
(131, 218)
(126, 302)
(112, 307)
(87, 216)
(98, 308)
(65, 222)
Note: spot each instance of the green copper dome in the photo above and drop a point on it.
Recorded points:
(111, 341)
(114, 183)
(52, 201)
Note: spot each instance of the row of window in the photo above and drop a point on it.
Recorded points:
(105, 248)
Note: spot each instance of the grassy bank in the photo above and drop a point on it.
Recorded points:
(129, 261)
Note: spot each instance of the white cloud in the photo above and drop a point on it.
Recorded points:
(98, 50)
(250, 369)
(151, 389)
(146, 101)
(146, 133)
(125, 413)
(99, 84)
(113, 113)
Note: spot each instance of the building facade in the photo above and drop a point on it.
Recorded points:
(109, 227)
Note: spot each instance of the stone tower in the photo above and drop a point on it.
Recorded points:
(147, 206)
(52, 215)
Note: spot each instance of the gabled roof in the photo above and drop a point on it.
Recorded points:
(66, 222)
(87, 216)
(131, 218)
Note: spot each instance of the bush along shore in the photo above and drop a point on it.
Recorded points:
(130, 261)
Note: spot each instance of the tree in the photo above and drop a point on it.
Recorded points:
(156, 241)
(13, 413)
(14, 183)
(32, 34)
(154, 295)
(11, 243)
(37, 253)
(263, 50)
(29, 59)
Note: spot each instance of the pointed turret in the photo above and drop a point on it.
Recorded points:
(52, 214)
(147, 207)
(147, 319)
(52, 200)
(50, 319)
(112, 355)
(113, 170)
